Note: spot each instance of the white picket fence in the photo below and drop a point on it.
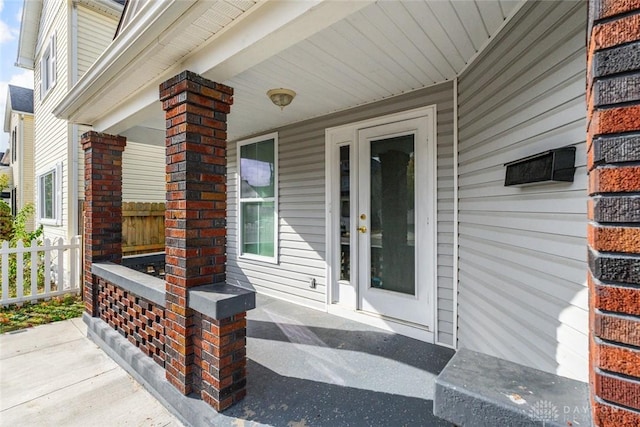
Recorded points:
(60, 265)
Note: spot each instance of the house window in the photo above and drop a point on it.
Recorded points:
(14, 202)
(13, 145)
(258, 201)
(50, 196)
(48, 67)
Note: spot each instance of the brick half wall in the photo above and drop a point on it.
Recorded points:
(135, 318)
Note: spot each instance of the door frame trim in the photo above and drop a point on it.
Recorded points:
(347, 305)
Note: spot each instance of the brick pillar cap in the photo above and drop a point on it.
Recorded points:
(196, 78)
(91, 138)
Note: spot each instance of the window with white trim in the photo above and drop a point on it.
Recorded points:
(48, 67)
(14, 144)
(50, 196)
(258, 198)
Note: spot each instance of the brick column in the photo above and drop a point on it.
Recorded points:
(613, 95)
(103, 206)
(195, 110)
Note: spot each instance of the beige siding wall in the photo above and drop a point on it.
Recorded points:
(51, 134)
(16, 166)
(28, 180)
(55, 140)
(302, 206)
(143, 173)
(522, 290)
(22, 169)
(95, 32)
(27, 177)
(80, 130)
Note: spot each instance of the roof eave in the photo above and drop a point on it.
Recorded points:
(7, 115)
(29, 26)
(154, 18)
(110, 7)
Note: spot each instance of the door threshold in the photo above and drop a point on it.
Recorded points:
(411, 330)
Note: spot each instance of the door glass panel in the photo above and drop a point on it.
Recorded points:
(345, 215)
(392, 219)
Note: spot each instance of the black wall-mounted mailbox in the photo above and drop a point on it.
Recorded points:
(553, 165)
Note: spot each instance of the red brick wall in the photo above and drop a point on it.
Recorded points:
(195, 230)
(103, 206)
(613, 94)
(220, 357)
(136, 319)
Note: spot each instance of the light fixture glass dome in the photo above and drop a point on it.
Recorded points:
(281, 97)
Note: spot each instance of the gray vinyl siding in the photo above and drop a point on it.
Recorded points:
(522, 290)
(143, 173)
(302, 206)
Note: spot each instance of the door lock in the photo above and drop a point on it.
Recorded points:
(362, 229)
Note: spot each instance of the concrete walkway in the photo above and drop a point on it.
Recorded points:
(53, 375)
(305, 368)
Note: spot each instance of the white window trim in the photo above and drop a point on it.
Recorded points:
(48, 69)
(276, 242)
(57, 208)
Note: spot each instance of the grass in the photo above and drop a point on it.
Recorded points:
(28, 315)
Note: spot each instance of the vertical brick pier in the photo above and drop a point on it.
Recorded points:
(103, 207)
(205, 355)
(613, 95)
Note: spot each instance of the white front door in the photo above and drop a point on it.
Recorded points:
(394, 236)
(381, 178)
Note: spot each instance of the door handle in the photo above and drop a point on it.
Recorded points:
(362, 229)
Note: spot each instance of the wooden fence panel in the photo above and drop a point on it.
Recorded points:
(142, 227)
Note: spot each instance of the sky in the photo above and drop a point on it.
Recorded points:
(10, 17)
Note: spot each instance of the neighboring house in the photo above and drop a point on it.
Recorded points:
(379, 193)
(18, 122)
(59, 41)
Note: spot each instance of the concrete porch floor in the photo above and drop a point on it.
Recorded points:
(305, 368)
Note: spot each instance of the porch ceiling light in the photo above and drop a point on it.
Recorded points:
(281, 97)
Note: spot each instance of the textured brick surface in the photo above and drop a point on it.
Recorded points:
(622, 329)
(615, 268)
(618, 359)
(102, 206)
(616, 120)
(618, 209)
(623, 391)
(616, 60)
(617, 149)
(617, 299)
(220, 353)
(613, 139)
(613, 33)
(609, 8)
(614, 239)
(135, 318)
(203, 355)
(611, 416)
(614, 179)
(617, 90)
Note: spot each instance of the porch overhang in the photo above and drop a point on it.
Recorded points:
(336, 55)
(161, 42)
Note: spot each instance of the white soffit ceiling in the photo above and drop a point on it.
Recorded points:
(386, 49)
(173, 47)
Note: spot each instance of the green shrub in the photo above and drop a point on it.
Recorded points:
(18, 231)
